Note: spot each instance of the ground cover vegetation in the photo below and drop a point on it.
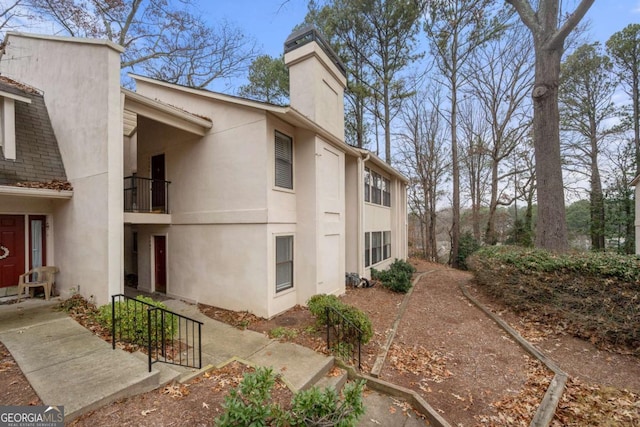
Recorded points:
(595, 294)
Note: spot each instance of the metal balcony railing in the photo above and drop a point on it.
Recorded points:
(146, 195)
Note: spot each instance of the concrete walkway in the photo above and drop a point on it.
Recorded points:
(68, 365)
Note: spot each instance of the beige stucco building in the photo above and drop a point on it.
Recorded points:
(225, 201)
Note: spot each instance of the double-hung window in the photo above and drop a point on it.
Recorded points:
(386, 192)
(367, 185)
(376, 195)
(376, 247)
(284, 263)
(284, 161)
(386, 238)
(367, 249)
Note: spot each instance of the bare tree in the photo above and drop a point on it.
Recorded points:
(455, 29)
(549, 29)
(475, 162)
(168, 40)
(502, 78)
(423, 156)
(12, 14)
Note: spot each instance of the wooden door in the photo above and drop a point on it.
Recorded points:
(160, 263)
(11, 249)
(158, 196)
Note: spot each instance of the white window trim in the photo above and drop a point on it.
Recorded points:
(275, 260)
(293, 162)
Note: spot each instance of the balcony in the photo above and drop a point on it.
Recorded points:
(146, 196)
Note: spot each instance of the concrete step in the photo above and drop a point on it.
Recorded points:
(299, 366)
(336, 378)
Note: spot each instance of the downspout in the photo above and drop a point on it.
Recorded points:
(361, 212)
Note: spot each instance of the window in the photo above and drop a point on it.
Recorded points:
(367, 249)
(367, 185)
(386, 192)
(284, 161)
(376, 247)
(376, 195)
(284, 263)
(387, 245)
(377, 189)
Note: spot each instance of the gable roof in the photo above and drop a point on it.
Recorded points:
(38, 157)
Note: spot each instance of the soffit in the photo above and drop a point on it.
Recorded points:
(138, 105)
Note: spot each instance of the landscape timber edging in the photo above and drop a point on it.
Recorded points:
(545, 412)
(417, 401)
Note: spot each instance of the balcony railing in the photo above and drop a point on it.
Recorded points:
(146, 195)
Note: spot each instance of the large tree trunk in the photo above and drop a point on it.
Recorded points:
(551, 228)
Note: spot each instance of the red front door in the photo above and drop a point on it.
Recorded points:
(11, 249)
(160, 261)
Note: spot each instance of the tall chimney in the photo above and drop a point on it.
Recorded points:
(317, 79)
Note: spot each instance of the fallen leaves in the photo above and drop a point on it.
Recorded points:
(49, 185)
(518, 409)
(594, 405)
(417, 360)
(176, 391)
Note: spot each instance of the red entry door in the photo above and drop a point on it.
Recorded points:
(160, 261)
(11, 249)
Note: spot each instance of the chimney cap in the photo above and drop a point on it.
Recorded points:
(307, 34)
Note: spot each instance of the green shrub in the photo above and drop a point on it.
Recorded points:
(318, 304)
(316, 407)
(594, 294)
(468, 245)
(397, 277)
(132, 321)
(250, 405)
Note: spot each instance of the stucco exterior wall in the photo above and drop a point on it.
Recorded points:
(316, 87)
(81, 85)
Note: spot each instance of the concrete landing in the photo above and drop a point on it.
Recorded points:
(68, 365)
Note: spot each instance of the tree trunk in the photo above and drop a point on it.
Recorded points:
(455, 172)
(490, 237)
(636, 120)
(551, 228)
(596, 197)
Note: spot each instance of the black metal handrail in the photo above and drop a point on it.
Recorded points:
(146, 195)
(168, 337)
(346, 337)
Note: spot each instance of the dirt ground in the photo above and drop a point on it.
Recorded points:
(445, 348)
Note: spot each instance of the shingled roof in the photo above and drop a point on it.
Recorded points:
(37, 154)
